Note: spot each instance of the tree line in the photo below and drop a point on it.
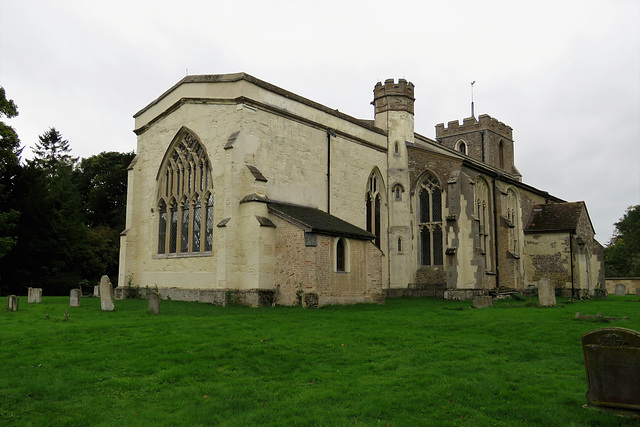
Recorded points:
(60, 216)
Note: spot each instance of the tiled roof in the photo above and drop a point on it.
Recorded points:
(555, 217)
(316, 221)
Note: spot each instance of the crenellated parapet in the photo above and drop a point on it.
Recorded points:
(470, 124)
(392, 96)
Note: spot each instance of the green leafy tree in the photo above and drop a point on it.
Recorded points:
(52, 152)
(622, 255)
(9, 169)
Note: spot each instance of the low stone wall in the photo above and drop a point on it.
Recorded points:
(632, 284)
(250, 297)
(463, 294)
(413, 290)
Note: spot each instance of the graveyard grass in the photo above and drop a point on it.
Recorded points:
(407, 362)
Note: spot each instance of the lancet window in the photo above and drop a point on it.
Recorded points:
(430, 221)
(512, 215)
(373, 208)
(185, 192)
(482, 213)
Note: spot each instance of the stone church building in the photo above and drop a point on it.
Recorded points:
(244, 192)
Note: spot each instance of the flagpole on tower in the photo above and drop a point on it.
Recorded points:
(472, 112)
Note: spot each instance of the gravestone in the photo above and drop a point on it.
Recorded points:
(74, 300)
(106, 294)
(153, 304)
(546, 293)
(638, 292)
(96, 291)
(621, 290)
(482, 301)
(612, 362)
(34, 296)
(12, 302)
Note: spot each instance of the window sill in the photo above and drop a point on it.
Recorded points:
(183, 255)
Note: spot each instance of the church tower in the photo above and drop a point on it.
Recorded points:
(485, 139)
(394, 109)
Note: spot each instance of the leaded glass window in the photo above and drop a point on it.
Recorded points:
(483, 209)
(430, 221)
(373, 200)
(185, 175)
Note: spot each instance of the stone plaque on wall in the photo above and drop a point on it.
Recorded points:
(612, 362)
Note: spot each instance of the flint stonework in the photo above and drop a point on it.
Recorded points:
(106, 294)
(621, 290)
(153, 304)
(612, 363)
(482, 301)
(12, 302)
(74, 297)
(546, 293)
(34, 296)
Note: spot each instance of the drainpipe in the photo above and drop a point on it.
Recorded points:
(571, 255)
(495, 229)
(330, 133)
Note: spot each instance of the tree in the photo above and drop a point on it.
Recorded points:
(622, 255)
(9, 169)
(52, 152)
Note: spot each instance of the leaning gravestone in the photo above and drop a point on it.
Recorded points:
(12, 302)
(546, 293)
(106, 294)
(34, 295)
(96, 291)
(612, 362)
(482, 301)
(74, 300)
(153, 305)
(621, 290)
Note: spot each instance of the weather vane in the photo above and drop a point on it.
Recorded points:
(472, 114)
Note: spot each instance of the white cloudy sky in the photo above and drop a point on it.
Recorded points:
(564, 74)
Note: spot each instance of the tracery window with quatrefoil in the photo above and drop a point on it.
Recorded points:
(430, 221)
(185, 198)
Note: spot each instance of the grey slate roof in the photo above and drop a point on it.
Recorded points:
(313, 220)
(555, 217)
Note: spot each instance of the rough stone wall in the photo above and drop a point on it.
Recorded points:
(631, 283)
(548, 256)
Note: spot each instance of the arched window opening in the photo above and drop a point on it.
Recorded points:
(373, 200)
(463, 148)
(397, 192)
(185, 176)
(482, 208)
(399, 244)
(513, 221)
(501, 154)
(340, 255)
(396, 149)
(430, 221)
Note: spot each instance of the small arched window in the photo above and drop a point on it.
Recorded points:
(501, 154)
(396, 150)
(340, 255)
(399, 244)
(461, 146)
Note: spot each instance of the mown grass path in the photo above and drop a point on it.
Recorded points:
(409, 362)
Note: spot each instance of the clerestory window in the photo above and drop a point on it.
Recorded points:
(185, 192)
(430, 221)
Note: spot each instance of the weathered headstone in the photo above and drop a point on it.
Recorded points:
(34, 295)
(482, 301)
(621, 290)
(638, 292)
(74, 300)
(12, 302)
(612, 362)
(106, 294)
(546, 293)
(96, 291)
(153, 304)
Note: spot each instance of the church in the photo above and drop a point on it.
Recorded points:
(243, 192)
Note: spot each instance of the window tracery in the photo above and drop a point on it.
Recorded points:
(185, 177)
(430, 221)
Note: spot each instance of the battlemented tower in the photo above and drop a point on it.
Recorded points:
(485, 139)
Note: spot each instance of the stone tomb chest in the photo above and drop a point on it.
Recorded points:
(612, 361)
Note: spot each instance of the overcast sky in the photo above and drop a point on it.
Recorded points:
(565, 75)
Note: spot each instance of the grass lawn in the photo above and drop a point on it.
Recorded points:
(409, 362)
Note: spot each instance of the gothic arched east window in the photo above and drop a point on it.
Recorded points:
(430, 220)
(184, 193)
